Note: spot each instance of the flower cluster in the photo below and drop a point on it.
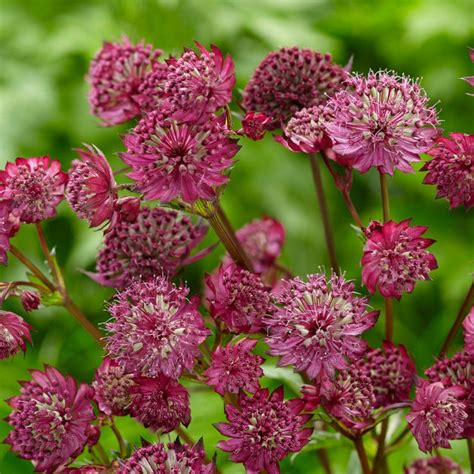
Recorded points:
(13, 333)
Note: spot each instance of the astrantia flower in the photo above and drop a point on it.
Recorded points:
(391, 371)
(289, 80)
(30, 300)
(14, 330)
(176, 458)
(382, 121)
(238, 298)
(437, 415)
(155, 329)
(50, 419)
(433, 465)
(235, 368)
(317, 324)
(199, 83)
(158, 241)
(395, 258)
(173, 160)
(264, 430)
(305, 131)
(468, 325)
(5, 230)
(452, 169)
(160, 403)
(91, 189)
(255, 125)
(34, 186)
(112, 385)
(115, 76)
(151, 90)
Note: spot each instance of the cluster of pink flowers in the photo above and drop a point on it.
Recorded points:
(162, 338)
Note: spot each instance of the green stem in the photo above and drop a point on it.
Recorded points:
(102, 454)
(324, 460)
(470, 449)
(32, 267)
(118, 435)
(328, 234)
(364, 462)
(389, 319)
(379, 457)
(385, 198)
(46, 252)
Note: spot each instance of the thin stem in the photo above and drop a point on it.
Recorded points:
(324, 460)
(118, 435)
(46, 252)
(385, 198)
(122, 170)
(470, 449)
(31, 266)
(328, 234)
(228, 117)
(468, 301)
(389, 319)
(82, 319)
(364, 462)
(381, 446)
(102, 454)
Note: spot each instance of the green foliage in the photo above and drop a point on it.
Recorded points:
(45, 48)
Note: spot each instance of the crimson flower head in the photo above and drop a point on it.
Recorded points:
(30, 300)
(392, 373)
(198, 84)
(6, 229)
(172, 160)
(238, 298)
(468, 325)
(433, 465)
(317, 324)
(452, 169)
(437, 415)
(155, 329)
(289, 80)
(158, 241)
(264, 429)
(34, 187)
(395, 258)
(255, 125)
(305, 132)
(160, 403)
(14, 331)
(235, 368)
(175, 458)
(151, 90)
(51, 419)
(381, 121)
(112, 386)
(115, 76)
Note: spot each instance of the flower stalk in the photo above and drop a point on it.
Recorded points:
(364, 462)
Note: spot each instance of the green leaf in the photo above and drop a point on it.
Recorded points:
(52, 299)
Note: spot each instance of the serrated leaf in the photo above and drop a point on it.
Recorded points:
(52, 299)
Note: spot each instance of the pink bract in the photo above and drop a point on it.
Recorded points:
(14, 331)
(255, 125)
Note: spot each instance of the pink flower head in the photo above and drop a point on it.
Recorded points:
(151, 90)
(112, 388)
(382, 121)
(198, 84)
(264, 430)
(235, 368)
(238, 298)
(115, 76)
(255, 125)
(452, 169)
(30, 300)
(6, 229)
(34, 186)
(305, 132)
(317, 324)
(391, 371)
(160, 403)
(172, 160)
(437, 415)
(155, 329)
(468, 325)
(176, 458)
(51, 419)
(158, 241)
(470, 79)
(433, 465)
(395, 258)
(14, 330)
(289, 80)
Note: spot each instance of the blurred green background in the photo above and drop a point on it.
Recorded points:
(45, 49)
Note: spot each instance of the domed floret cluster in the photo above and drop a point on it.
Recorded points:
(391, 371)
(317, 324)
(155, 329)
(238, 298)
(173, 160)
(234, 368)
(451, 169)
(175, 458)
(264, 429)
(381, 121)
(158, 241)
(30, 300)
(151, 90)
(6, 229)
(160, 403)
(437, 415)
(433, 465)
(395, 258)
(198, 84)
(289, 80)
(112, 388)
(14, 331)
(51, 419)
(468, 326)
(115, 76)
(34, 187)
